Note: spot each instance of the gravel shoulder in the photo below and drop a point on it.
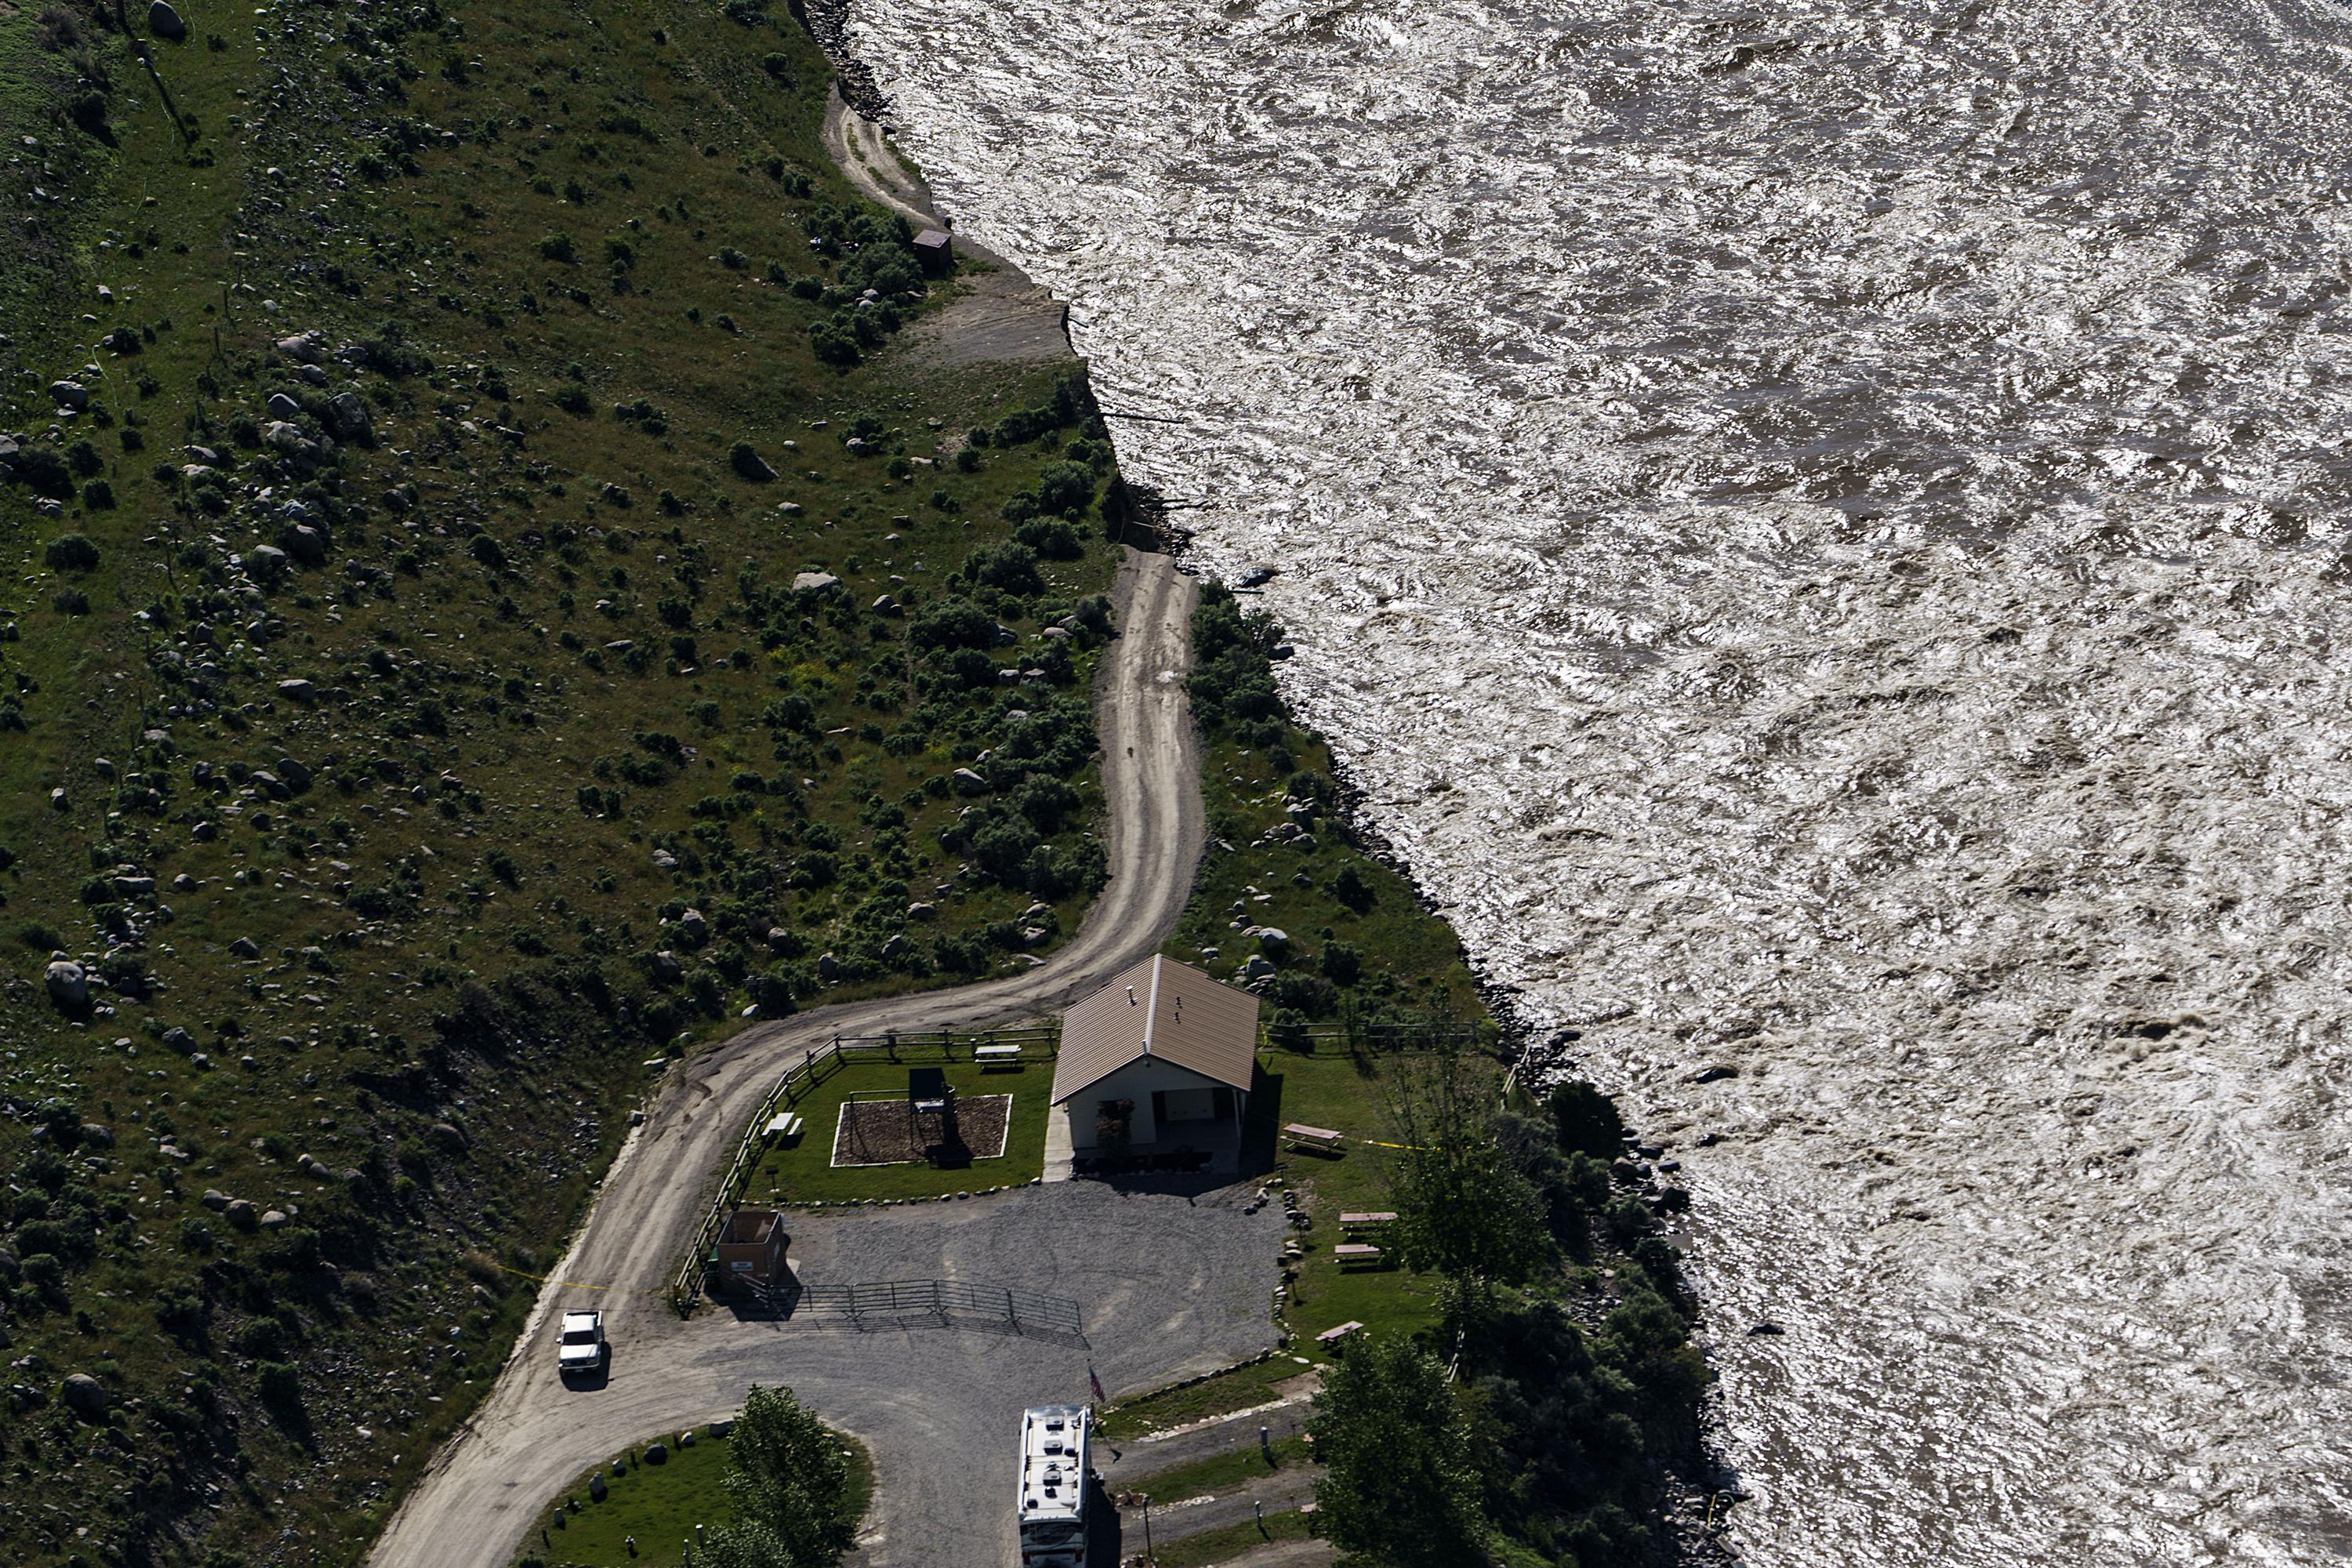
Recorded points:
(532, 1434)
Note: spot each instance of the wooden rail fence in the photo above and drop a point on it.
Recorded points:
(813, 1068)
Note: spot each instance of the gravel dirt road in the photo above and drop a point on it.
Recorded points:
(532, 1435)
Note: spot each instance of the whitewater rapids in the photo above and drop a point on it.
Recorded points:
(1822, 529)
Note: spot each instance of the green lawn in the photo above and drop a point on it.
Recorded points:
(1243, 1388)
(1344, 1093)
(1223, 1472)
(659, 1505)
(1214, 1546)
(803, 1172)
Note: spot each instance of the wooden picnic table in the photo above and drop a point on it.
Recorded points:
(1355, 1252)
(1333, 1336)
(1311, 1134)
(1375, 1216)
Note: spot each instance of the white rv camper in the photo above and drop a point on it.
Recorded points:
(1053, 1485)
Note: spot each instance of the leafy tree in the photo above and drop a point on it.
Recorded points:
(1399, 1488)
(786, 1474)
(1463, 1208)
(1587, 1121)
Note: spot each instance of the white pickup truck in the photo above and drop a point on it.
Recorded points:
(581, 1346)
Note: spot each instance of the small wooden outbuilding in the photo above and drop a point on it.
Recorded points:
(752, 1251)
(935, 250)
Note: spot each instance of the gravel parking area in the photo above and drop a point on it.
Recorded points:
(1168, 1286)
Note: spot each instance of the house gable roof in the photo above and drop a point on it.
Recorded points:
(1161, 1010)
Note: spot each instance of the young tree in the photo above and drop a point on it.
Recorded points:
(786, 1474)
(1586, 1120)
(1462, 1207)
(1399, 1488)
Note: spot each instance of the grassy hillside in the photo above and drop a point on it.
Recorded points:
(444, 666)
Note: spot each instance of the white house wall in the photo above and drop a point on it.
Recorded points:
(1136, 1081)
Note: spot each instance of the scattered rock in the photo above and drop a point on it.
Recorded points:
(966, 782)
(1272, 940)
(922, 911)
(894, 946)
(694, 926)
(827, 967)
(266, 562)
(656, 1454)
(1257, 968)
(304, 348)
(686, 1439)
(814, 582)
(885, 606)
(297, 691)
(283, 407)
(215, 1199)
(663, 860)
(667, 966)
(241, 1213)
(779, 938)
(97, 1135)
(447, 1136)
(70, 395)
(272, 1218)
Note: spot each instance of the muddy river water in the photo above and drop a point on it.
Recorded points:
(1822, 531)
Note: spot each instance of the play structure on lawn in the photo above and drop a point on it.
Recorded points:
(929, 1123)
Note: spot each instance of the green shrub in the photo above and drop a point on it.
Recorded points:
(71, 552)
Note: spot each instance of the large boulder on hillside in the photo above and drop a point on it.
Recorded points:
(68, 983)
(166, 23)
(84, 1395)
(349, 417)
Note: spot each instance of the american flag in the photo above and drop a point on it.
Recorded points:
(1100, 1397)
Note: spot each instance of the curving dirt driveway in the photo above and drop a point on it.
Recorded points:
(532, 1434)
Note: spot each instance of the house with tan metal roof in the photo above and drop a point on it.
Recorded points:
(1156, 1065)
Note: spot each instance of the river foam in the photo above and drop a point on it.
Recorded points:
(1821, 529)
